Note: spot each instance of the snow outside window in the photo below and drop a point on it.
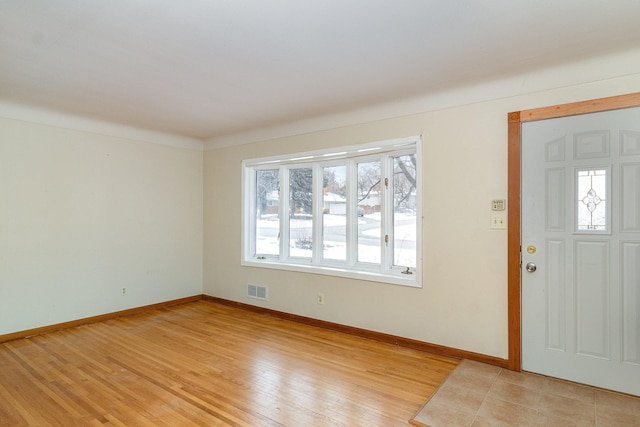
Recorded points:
(350, 211)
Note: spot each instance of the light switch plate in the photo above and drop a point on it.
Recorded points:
(498, 221)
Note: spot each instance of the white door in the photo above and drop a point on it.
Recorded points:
(581, 234)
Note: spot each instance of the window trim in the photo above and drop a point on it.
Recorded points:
(385, 272)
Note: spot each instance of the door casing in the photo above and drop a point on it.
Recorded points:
(514, 244)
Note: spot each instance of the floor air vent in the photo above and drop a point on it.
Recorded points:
(258, 292)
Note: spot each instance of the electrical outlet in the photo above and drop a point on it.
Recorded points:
(123, 292)
(320, 299)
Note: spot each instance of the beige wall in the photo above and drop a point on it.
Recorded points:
(463, 301)
(83, 215)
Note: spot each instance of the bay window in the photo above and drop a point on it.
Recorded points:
(350, 211)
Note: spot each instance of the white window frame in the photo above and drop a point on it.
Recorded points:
(384, 272)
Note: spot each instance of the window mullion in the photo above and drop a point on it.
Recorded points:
(387, 212)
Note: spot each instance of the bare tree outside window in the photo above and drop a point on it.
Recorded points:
(267, 214)
(369, 200)
(404, 182)
(300, 212)
(404, 211)
(346, 211)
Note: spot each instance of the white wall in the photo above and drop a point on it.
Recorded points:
(83, 215)
(463, 301)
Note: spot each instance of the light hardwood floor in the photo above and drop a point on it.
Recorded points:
(207, 364)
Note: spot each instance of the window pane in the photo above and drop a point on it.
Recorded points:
(404, 211)
(334, 218)
(300, 212)
(592, 200)
(347, 212)
(267, 211)
(369, 221)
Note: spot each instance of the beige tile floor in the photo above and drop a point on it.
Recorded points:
(478, 395)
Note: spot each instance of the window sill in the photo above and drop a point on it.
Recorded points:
(392, 278)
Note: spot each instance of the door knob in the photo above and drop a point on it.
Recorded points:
(531, 267)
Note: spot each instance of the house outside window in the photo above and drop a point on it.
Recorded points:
(350, 211)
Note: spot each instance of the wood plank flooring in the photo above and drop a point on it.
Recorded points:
(205, 364)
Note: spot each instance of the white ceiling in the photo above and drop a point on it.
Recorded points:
(209, 68)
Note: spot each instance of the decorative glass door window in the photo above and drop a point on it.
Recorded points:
(591, 202)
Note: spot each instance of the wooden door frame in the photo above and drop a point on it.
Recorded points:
(514, 243)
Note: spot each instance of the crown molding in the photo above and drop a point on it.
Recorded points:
(613, 66)
(67, 121)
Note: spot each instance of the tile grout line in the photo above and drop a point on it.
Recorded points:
(485, 397)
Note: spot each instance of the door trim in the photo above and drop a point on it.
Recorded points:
(515, 120)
